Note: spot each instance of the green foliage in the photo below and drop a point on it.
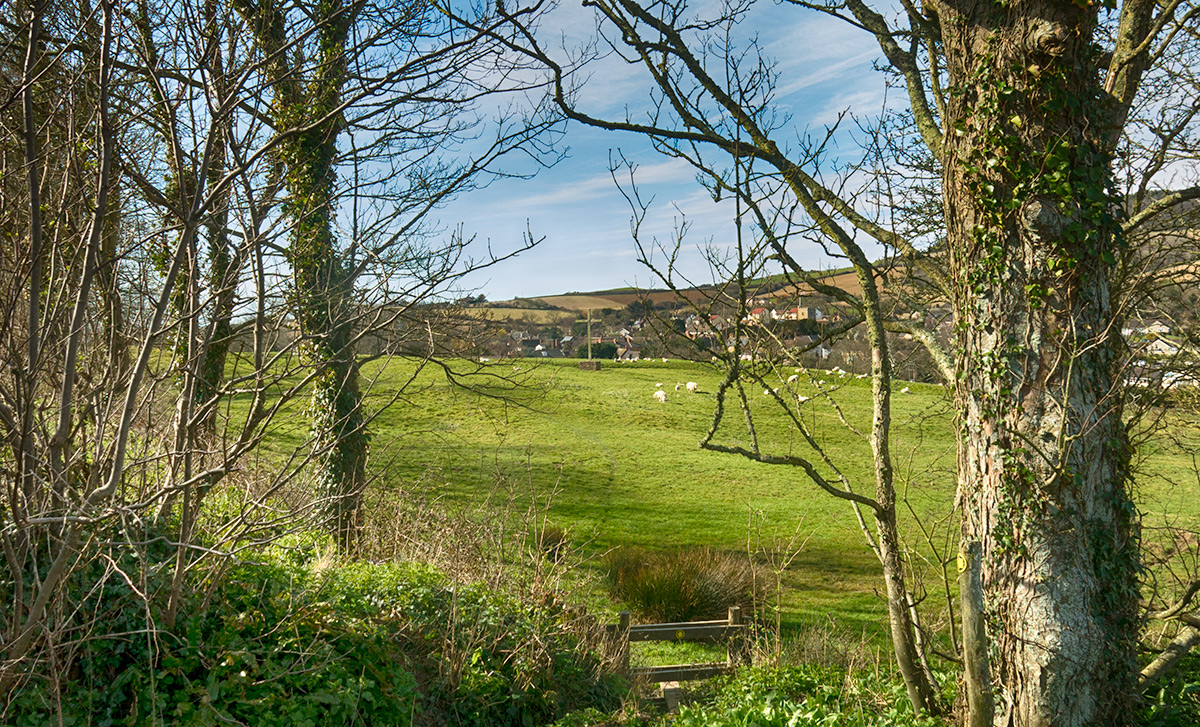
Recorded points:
(599, 350)
(266, 651)
(802, 696)
(496, 661)
(280, 644)
(685, 584)
(1176, 701)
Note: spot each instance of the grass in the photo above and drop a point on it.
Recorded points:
(626, 470)
(619, 469)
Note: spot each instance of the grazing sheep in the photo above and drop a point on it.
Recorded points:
(821, 382)
(658, 385)
(692, 386)
(793, 378)
(666, 360)
(801, 399)
(661, 396)
(905, 390)
(862, 376)
(678, 386)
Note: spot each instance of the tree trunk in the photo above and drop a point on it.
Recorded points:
(322, 284)
(1043, 455)
(922, 690)
(223, 273)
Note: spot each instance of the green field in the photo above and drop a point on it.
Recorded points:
(620, 468)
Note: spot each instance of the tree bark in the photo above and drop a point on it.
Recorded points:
(1043, 454)
(322, 284)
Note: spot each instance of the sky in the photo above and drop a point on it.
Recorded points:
(576, 209)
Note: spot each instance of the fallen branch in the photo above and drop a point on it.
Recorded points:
(1185, 641)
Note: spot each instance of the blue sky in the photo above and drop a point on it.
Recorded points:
(825, 68)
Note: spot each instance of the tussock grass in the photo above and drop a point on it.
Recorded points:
(690, 584)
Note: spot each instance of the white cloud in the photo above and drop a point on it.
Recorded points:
(825, 68)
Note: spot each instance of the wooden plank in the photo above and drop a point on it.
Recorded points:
(679, 672)
(710, 631)
(717, 622)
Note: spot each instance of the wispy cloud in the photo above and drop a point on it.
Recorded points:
(825, 67)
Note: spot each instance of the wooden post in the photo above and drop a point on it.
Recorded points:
(623, 642)
(736, 649)
(976, 671)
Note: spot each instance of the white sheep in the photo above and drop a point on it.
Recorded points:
(661, 396)
(658, 385)
(905, 390)
(692, 386)
(678, 386)
(800, 399)
(793, 378)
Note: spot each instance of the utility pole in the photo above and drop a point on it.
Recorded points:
(589, 333)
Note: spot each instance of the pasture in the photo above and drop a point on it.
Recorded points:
(617, 467)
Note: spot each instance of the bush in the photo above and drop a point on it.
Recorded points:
(553, 542)
(684, 585)
(803, 696)
(267, 650)
(282, 644)
(599, 350)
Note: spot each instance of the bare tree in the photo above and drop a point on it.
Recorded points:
(152, 342)
(1018, 116)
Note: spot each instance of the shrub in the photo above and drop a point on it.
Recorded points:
(552, 540)
(359, 644)
(684, 585)
(266, 651)
(599, 350)
(803, 696)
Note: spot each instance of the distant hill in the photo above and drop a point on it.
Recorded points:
(775, 286)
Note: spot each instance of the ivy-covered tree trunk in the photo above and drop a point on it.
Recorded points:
(309, 116)
(1043, 455)
(223, 270)
(322, 284)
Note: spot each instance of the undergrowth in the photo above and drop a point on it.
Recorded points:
(793, 696)
(1176, 701)
(280, 643)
